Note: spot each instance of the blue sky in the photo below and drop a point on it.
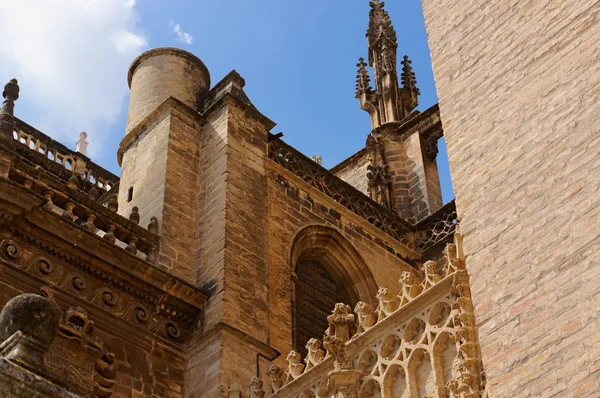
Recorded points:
(298, 59)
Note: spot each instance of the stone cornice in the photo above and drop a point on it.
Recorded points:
(340, 191)
(97, 270)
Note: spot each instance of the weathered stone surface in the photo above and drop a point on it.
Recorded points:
(16, 382)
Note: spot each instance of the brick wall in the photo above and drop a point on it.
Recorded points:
(519, 90)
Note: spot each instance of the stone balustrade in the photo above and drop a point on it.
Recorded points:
(83, 209)
(54, 156)
(421, 342)
(437, 228)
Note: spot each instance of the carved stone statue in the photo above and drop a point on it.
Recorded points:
(387, 304)
(409, 288)
(295, 367)
(365, 316)
(315, 354)
(275, 375)
(256, 388)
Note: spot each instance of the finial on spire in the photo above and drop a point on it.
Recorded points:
(409, 79)
(10, 94)
(380, 28)
(363, 81)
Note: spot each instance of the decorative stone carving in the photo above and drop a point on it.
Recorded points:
(275, 375)
(387, 304)
(10, 250)
(10, 94)
(409, 288)
(430, 350)
(153, 225)
(151, 309)
(79, 360)
(378, 179)
(295, 366)
(389, 102)
(73, 181)
(365, 316)
(314, 354)
(256, 388)
(113, 204)
(363, 81)
(431, 275)
(437, 228)
(134, 216)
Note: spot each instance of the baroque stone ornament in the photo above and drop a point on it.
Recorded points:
(78, 359)
(10, 250)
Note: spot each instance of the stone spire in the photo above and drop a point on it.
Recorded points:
(389, 102)
(10, 94)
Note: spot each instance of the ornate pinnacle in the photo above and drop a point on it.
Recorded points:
(10, 94)
(363, 81)
(380, 26)
(409, 79)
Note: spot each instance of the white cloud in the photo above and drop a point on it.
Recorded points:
(182, 36)
(71, 59)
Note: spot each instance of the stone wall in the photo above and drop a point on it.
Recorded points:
(295, 207)
(354, 171)
(519, 90)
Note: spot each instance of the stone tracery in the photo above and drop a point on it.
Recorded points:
(421, 350)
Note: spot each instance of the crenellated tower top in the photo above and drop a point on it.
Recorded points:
(388, 102)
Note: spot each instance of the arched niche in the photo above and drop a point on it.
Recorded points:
(327, 270)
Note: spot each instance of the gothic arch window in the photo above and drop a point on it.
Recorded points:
(327, 270)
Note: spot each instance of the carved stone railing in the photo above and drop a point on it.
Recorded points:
(84, 210)
(340, 191)
(421, 342)
(437, 228)
(60, 160)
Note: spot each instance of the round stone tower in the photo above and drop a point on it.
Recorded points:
(160, 73)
